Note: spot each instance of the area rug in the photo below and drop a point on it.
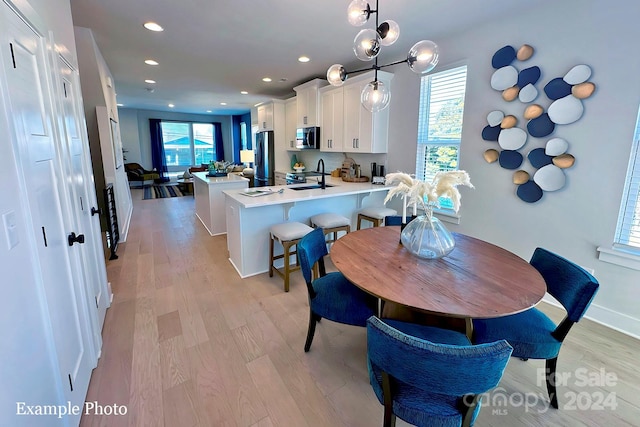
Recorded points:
(161, 192)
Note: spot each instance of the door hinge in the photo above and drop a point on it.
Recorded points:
(82, 204)
(96, 302)
(70, 382)
(44, 236)
(64, 86)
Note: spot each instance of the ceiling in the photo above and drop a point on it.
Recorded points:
(210, 51)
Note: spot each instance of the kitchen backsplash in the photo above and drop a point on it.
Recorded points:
(334, 160)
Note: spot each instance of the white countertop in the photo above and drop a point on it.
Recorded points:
(231, 177)
(288, 195)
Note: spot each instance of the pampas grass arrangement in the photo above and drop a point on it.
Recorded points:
(427, 194)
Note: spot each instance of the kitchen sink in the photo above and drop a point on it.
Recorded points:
(310, 187)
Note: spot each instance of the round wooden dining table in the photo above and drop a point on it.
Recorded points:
(476, 280)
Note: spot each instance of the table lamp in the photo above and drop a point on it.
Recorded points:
(247, 157)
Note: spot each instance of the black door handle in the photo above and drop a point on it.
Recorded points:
(73, 238)
(95, 211)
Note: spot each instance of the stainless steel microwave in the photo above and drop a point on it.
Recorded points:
(308, 138)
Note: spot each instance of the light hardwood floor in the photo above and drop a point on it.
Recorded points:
(189, 343)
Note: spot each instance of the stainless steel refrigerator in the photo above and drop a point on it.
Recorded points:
(264, 164)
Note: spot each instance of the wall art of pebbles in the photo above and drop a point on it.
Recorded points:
(565, 94)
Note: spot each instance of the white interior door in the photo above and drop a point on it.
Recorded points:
(34, 144)
(84, 202)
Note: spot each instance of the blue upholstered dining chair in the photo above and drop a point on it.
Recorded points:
(331, 295)
(427, 383)
(397, 219)
(531, 333)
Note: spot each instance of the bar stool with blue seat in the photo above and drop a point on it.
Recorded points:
(332, 224)
(288, 234)
(374, 215)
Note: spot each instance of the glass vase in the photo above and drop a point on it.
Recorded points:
(426, 237)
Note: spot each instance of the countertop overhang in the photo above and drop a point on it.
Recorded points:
(288, 195)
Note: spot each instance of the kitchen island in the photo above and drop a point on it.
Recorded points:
(249, 218)
(208, 192)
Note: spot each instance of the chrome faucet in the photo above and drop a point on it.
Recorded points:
(323, 183)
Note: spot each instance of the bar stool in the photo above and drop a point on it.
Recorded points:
(374, 215)
(331, 223)
(288, 234)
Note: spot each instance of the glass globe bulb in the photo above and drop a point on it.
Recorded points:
(389, 32)
(366, 45)
(336, 75)
(375, 96)
(423, 57)
(358, 12)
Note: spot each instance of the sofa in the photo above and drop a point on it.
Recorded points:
(139, 176)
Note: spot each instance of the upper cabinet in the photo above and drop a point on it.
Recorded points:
(265, 116)
(271, 117)
(332, 118)
(359, 130)
(307, 103)
(290, 119)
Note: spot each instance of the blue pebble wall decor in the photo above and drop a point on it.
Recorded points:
(565, 94)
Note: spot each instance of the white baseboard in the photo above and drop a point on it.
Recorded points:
(612, 319)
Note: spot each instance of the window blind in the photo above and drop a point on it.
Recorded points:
(440, 121)
(628, 229)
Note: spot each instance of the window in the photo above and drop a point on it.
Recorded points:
(243, 136)
(628, 229)
(440, 123)
(187, 144)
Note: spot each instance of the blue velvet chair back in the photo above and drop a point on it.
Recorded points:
(569, 283)
(311, 248)
(397, 219)
(435, 368)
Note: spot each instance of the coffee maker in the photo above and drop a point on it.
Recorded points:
(377, 174)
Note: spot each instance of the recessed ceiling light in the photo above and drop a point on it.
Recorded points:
(266, 79)
(304, 59)
(171, 105)
(150, 62)
(223, 103)
(208, 111)
(120, 105)
(244, 92)
(152, 26)
(150, 81)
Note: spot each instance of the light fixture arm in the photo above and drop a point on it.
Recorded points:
(421, 58)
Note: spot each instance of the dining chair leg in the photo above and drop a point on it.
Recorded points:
(313, 318)
(387, 395)
(551, 381)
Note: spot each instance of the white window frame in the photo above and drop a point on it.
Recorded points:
(177, 168)
(425, 113)
(626, 243)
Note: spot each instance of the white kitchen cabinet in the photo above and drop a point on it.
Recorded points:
(307, 103)
(364, 132)
(290, 119)
(265, 116)
(332, 119)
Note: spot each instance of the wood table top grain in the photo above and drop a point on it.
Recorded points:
(476, 280)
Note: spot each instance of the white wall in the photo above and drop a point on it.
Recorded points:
(577, 219)
(138, 140)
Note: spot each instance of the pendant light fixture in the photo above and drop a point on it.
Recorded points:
(422, 57)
